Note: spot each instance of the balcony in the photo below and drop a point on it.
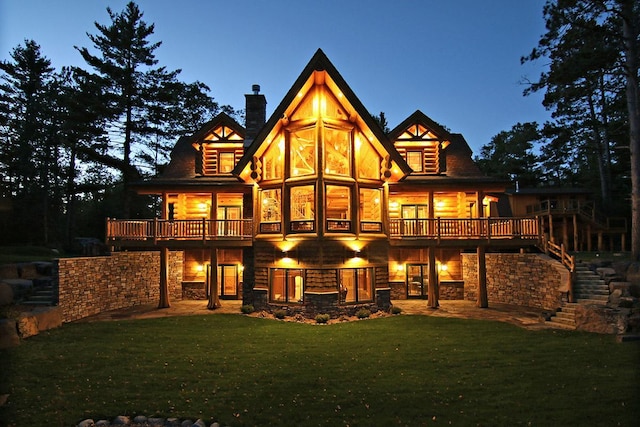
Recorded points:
(472, 230)
(145, 232)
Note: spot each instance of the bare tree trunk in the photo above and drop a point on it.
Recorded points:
(630, 34)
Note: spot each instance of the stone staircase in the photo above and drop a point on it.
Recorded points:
(43, 293)
(588, 288)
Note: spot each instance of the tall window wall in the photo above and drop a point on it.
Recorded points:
(318, 162)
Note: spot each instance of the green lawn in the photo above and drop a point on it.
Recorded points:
(402, 370)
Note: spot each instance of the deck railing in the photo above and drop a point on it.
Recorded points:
(179, 229)
(241, 229)
(465, 228)
(585, 209)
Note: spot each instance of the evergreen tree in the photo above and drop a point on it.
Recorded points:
(592, 88)
(510, 155)
(124, 67)
(28, 148)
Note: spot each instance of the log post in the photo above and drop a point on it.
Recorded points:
(214, 299)
(164, 279)
(433, 280)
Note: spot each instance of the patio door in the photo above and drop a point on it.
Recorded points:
(412, 216)
(229, 223)
(228, 281)
(417, 280)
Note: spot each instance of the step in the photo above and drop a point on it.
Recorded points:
(554, 322)
(565, 315)
(584, 291)
(591, 280)
(569, 307)
(38, 303)
(587, 301)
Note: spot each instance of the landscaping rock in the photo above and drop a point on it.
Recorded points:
(27, 325)
(6, 294)
(601, 319)
(633, 273)
(27, 271)
(121, 420)
(20, 287)
(86, 423)
(140, 419)
(103, 423)
(9, 271)
(48, 317)
(9, 333)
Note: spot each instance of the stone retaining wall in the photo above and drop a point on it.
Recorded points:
(530, 280)
(92, 285)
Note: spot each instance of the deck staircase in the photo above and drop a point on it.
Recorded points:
(588, 288)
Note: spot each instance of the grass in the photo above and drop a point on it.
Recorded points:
(401, 370)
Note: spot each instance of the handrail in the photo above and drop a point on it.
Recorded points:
(569, 261)
(180, 229)
(465, 228)
(586, 209)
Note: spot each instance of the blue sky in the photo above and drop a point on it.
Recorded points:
(458, 61)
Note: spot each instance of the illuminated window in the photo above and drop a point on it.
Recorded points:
(414, 160)
(337, 152)
(368, 159)
(370, 210)
(303, 152)
(286, 285)
(303, 208)
(273, 160)
(270, 213)
(355, 285)
(338, 208)
(226, 162)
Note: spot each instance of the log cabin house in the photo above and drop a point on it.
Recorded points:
(318, 210)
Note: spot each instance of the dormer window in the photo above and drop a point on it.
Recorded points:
(414, 160)
(226, 162)
(218, 151)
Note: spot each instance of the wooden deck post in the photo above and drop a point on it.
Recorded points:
(483, 301)
(164, 278)
(576, 241)
(433, 280)
(214, 299)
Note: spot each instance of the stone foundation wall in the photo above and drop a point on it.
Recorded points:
(89, 286)
(451, 290)
(530, 280)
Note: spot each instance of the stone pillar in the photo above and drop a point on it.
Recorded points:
(164, 279)
(482, 301)
(214, 300)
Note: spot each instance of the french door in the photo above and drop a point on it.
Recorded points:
(417, 280)
(228, 281)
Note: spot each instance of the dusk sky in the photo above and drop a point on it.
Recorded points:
(458, 61)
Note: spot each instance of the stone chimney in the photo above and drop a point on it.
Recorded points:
(255, 114)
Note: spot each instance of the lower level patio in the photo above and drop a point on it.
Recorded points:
(525, 317)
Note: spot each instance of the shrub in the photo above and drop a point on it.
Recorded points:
(247, 309)
(363, 313)
(280, 314)
(322, 318)
(396, 310)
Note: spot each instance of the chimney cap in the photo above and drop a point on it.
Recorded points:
(255, 89)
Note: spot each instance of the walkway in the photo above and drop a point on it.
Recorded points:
(525, 317)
